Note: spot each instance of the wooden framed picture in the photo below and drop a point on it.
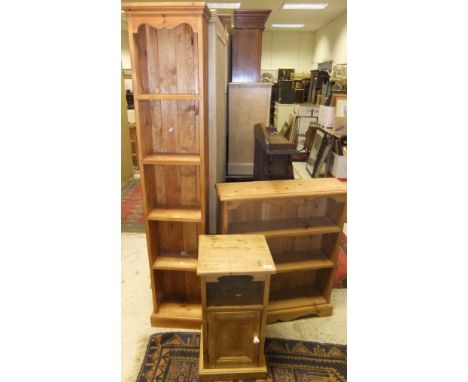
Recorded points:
(337, 96)
(318, 141)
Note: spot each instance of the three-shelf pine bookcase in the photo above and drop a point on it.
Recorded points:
(302, 221)
(168, 49)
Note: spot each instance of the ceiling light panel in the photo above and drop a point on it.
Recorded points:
(304, 6)
(287, 25)
(224, 5)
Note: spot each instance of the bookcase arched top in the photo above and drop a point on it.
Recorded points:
(165, 15)
(166, 59)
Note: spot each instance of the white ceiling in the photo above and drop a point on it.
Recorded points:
(312, 19)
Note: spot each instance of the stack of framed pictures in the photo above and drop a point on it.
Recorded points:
(323, 145)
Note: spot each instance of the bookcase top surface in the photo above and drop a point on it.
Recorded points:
(196, 7)
(234, 255)
(280, 189)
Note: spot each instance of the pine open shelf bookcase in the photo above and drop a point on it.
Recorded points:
(302, 221)
(168, 49)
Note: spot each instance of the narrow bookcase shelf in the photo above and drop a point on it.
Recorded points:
(286, 227)
(178, 312)
(168, 97)
(297, 261)
(175, 215)
(175, 262)
(172, 159)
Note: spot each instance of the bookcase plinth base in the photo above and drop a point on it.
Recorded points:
(322, 310)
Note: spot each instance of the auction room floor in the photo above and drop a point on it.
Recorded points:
(137, 306)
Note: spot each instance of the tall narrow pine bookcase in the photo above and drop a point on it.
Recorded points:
(168, 48)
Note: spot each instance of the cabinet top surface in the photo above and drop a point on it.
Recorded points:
(280, 189)
(234, 255)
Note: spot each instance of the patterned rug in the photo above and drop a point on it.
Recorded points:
(132, 208)
(341, 275)
(174, 357)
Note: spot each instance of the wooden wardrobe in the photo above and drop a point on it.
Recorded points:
(169, 53)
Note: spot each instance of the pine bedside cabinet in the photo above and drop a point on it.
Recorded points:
(235, 280)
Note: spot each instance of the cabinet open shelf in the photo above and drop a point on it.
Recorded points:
(172, 159)
(175, 214)
(234, 291)
(293, 298)
(286, 227)
(297, 261)
(173, 261)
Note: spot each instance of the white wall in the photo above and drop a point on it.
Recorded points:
(285, 49)
(330, 42)
(125, 50)
(125, 57)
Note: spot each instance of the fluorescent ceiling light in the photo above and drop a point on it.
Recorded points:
(224, 5)
(287, 25)
(304, 6)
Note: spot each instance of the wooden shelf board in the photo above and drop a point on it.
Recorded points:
(286, 227)
(287, 299)
(172, 159)
(168, 97)
(175, 262)
(178, 309)
(280, 189)
(176, 214)
(301, 261)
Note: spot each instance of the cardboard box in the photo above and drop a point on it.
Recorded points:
(306, 110)
(338, 166)
(326, 117)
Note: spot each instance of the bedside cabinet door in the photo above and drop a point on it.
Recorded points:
(233, 338)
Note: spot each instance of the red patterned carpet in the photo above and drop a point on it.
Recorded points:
(132, 208)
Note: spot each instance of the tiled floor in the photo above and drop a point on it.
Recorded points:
(137, 306)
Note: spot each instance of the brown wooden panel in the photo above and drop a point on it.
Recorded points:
(175, 237)
(173, 186)
(246, 55)
(230, 343)
(169, 127)
(186, 57)
(292, 281)
(141, 56)
(279, 209)
(152, 49)
(179, 285)
(247, 44)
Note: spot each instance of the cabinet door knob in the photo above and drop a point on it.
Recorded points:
(256, 340)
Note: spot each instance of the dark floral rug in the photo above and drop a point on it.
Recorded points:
(174, 357)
